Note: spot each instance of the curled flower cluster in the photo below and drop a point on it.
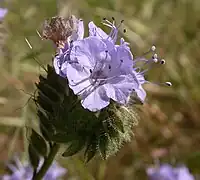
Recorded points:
(25, 171)
(167, 172)
(99, 70)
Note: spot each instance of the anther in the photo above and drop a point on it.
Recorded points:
(91, 71)
(109, 66)
(168, 83)
(122, 21)
(124, 30)
(155, 56)
(113, 18)
(106, 51)
(104, 18)
(162, 61)
(155, 60)
(153, 48)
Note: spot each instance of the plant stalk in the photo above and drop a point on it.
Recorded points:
(47, 162)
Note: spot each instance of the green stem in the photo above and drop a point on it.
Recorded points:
(47, 162)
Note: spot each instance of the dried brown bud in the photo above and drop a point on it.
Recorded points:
(58, 29)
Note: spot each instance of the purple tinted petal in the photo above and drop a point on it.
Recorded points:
(5, 177)
(183, 174)
(141, 93)
(78, 79)
(96, 31)
(3, 12)
(120, 88)
(78, 35)
(12, 167)
(80, 30)
(125, 56)
(165, 172)
(153, 174)
(124, 43)
(86, 50)
(96, 99)
(55, 172)
(25, 171)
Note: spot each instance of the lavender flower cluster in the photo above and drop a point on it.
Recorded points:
(100, 70)
(24, 171)
(167, 172)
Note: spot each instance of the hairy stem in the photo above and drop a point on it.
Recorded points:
(47, 162)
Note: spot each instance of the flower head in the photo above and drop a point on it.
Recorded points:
(98, 69)
(24, 171)
(98, 75)
(167, 172)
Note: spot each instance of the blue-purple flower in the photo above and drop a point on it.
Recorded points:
(98, 75)
(24, 171)
(3, 12)
(99, 70)
(167, 172)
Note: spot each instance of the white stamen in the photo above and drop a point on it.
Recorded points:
(39, 34)
(155, 56)
(155, 60)
(153, 48)
(110, 26)
(162, 61)
(168, 83)
(28, 43)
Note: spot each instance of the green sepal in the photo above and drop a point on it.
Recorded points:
(103, 145)
(73, 148)
(33, 157)
(38, 143)
(91, 148)
(45, 124)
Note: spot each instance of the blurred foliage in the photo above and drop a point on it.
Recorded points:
(168, 129)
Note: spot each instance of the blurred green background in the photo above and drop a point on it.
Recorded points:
(169, 124)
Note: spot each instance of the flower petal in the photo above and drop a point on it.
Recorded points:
(80, 31)
(78, 79)
(120, 88)
(86, 50)
(141, 93)
(183, 174)
(3, 12)
(96, 99)
(96, 31)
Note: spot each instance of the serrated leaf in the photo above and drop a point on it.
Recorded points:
(74, 148)
(38, 143)
(33, 157)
